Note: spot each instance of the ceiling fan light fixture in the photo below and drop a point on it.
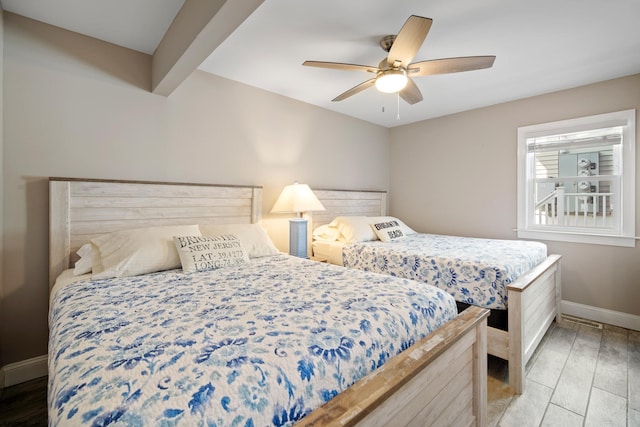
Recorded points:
(391, 81)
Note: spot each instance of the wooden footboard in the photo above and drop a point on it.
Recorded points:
(441, 380)
(534, 301)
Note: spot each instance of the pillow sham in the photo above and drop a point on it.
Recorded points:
(201, 253)
(96, 262)
(388, 231)
(404, 227)
(138, 251)
(354, 229)
(253, 237)
(85, 263)
(326, 233)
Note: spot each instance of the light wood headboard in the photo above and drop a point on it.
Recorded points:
(349, 202)
(81, 209)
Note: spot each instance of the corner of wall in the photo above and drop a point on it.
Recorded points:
(1, 179)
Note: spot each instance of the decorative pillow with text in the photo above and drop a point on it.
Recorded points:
(200, 253)
(388, 231)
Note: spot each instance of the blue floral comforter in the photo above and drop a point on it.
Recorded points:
(255, 345)
(475, 271)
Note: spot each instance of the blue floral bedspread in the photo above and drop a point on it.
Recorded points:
(475, 271)
(255, 345)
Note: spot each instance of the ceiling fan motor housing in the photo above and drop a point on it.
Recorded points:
(387, 41)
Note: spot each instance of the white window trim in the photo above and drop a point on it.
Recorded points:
(626, 236)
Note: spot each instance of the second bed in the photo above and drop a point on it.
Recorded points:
(518, 280)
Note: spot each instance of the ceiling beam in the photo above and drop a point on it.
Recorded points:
(197, 30)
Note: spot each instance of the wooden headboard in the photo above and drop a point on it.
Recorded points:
(81, 209)
(349, 202)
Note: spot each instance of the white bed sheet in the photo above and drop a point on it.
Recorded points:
(332, 251)
(64, 279)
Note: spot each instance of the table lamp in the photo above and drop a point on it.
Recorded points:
(297, 198)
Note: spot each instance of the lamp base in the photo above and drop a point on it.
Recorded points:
(298, 237)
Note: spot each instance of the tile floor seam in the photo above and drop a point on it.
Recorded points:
(557, 381)
(591, 386)
(544, 414)
(564, 365)
(593, 377)
(568, 410)
(595, 369)
(626, 349)
(611, 392)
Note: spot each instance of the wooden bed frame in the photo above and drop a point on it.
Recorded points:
(534, 298)
(441, 380)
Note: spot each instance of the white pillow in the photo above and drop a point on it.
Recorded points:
(96, 262)
(388, 231)
(200, 253)
(404, 227)
(354, 229)
(254, 239)
(85, 263)
(138, 251)
(326, 233)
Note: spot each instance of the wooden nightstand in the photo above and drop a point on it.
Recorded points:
(318, 259)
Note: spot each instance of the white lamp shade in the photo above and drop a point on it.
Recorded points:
(297, 198)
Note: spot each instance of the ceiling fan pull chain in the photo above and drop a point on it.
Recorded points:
(398, 101)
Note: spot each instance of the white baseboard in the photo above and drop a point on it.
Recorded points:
(23, 371)
(603, 315)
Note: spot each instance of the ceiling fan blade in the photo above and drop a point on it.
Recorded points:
(356, 89)
(411, 93)
(341, 66)
(408, 41)
(450, 65)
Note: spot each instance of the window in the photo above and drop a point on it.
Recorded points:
(576, 180)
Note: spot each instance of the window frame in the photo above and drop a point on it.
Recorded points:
(525, 186)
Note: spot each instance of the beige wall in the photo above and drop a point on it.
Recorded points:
(78, 107)
(457, 175)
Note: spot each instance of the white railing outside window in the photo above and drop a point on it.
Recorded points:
(591, 212)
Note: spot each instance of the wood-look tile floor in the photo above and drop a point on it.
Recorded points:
(578, 376)
(24, 404)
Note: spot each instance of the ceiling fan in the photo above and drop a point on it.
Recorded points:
(395, 72)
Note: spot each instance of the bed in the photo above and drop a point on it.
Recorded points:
(517, 280)
(238, 345)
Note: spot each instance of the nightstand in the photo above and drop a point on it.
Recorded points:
(318, 259)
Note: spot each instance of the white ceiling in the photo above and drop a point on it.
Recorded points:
(541, 46)
(136, 24)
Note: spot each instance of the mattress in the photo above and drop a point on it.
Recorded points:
(475, 271)
(259, 344)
